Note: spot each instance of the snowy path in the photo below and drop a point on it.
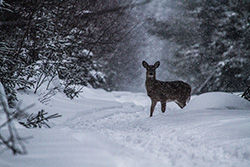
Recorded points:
(114, 129)
(178, 138)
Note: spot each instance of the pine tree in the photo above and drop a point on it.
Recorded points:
(213, 40)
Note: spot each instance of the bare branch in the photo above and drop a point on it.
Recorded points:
(116, 9)
(13, 140)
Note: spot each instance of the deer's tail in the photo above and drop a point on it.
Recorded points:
(188, 99)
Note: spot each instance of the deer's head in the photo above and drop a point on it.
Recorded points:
(150, 68)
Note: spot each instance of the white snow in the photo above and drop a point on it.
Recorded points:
(218, 101)
(113, 129)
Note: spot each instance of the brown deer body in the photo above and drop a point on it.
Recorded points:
(159, 91)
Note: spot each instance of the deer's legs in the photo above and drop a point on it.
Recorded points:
(163, 106)
(152, 107)
(181, 104)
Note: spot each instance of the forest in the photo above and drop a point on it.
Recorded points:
(67, 46)
(100, 43)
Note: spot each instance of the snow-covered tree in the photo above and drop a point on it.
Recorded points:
(69, 39)
(213, 39)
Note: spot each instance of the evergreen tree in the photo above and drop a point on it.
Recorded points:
(69, 39)
(213, 39)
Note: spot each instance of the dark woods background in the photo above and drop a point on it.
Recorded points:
(213, 38)
(102, 43)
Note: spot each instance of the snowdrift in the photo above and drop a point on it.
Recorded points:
(218, 101)
(114, 130)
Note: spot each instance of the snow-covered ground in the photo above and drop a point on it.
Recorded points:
(101, 129)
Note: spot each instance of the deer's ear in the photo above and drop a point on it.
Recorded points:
(157, 64)
(144, 64)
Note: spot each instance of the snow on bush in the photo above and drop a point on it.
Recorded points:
(218, 101)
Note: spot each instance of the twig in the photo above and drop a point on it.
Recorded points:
(38, 120)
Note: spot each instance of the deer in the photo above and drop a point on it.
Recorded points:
(160, 91)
